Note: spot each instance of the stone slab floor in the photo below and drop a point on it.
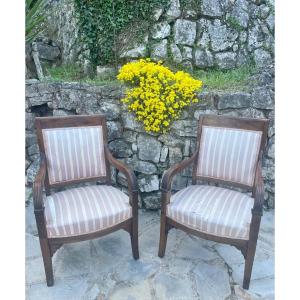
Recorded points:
(192, 268)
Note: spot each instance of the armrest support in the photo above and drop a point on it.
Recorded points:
(258, 192)
(169, 174)
(38, 186)
(130, 176)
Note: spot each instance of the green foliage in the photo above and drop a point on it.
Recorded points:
(73, 73)
(65, 73)
(234, 23)
(100, 22)
(233, 80)
(213, 79)
(34, 11)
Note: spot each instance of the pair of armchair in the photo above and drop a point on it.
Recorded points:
(74, 150)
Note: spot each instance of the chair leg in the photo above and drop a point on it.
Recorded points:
(47, 261)
(248, 265)
(163, 237)
(134, 239)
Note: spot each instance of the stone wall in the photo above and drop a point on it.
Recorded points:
(212, 33)
(190, 33)
(147, 154)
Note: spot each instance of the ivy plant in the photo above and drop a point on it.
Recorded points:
(101, 21)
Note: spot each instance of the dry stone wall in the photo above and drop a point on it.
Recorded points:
(190, 33)
(214, 33)
(147, 154)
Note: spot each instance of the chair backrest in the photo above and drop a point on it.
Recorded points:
(229, 149)
(73, 147)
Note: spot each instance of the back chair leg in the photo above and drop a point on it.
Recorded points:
(134, 239)
(249, 264)
(163, 237)
(47, 261)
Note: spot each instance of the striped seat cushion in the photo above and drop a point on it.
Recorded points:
(212, 210)
(85, 210)
(229, 154)
(74, 153)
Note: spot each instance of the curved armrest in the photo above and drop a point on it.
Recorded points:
(131, 178)
(258, 192)
(38, 186)
(169, 174)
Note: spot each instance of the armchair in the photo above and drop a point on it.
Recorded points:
(229, 152)
(74, 149)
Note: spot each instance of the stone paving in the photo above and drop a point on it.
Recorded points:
(192, 268)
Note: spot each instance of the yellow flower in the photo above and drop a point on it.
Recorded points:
(159, 94)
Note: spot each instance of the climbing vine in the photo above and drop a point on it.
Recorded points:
(101, 21)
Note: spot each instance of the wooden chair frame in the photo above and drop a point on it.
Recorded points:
(50, 245)
(247, 247)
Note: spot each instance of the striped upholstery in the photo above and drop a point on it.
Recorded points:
(74, 153)
(85, 210)
(212, 210)
(229, 154)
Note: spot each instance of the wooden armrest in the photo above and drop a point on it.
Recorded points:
(258, 192)
(130, 176)
(169, 174)
(38, 186)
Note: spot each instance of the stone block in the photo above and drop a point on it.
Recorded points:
(203, 58)
(262, 98)
(149, 148)
(148, 183)
(176, 54)
(211, 8)
(120, 148)
(234, 100)
(32, 171)
(184, 32)
(175, 155)
(226, 60)
(29, 121)
(164, 153)
(187, 53)
(30, 139)
(161, 30)
(141, 166)
(221, 37)
(173, 11)
(185, 128)
(114, 130)
(240, 13)
(160, 50)
(262, 58)
(48, 52)
(152, 201)
(170, 140)
(111, 110)
(129, 122)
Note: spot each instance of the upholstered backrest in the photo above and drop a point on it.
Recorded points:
(74, 153)
(229, 154)
(74, 147)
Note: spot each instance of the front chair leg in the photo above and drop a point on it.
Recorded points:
(248, 264)
(251, 248)
(134, 239)
(47, 261)
(163, 236)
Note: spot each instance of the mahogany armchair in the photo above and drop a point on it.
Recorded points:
(229, 152)
(73, 150)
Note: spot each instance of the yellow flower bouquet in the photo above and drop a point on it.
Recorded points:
(156, 94)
